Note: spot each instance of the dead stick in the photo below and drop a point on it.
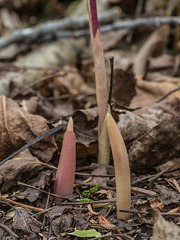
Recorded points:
(20, 204)
(146, 213)
(164, 171)
(55, 29)
(9, 231)
(40, 190)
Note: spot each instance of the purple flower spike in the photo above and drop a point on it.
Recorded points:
(94, 18)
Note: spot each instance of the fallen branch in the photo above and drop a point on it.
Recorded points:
(51, 29)
(20, 204)
(61, 28)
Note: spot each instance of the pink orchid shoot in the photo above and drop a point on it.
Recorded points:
(121, 165)
(65, 174)
(101, 84)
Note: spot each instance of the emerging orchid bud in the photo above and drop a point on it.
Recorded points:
(65, 174)
(101, 83)
(121, 166)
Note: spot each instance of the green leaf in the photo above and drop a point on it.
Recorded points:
(86, 233)
(85, 200)
(139, 202)
(86, 192)
(157, 170)
(109, 206)
(94, 188)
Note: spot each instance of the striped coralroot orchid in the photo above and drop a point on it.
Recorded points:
(101, 83)
(65, 174)
(121, 165)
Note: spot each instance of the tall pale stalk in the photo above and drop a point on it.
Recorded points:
(101, 83)
(121, 166)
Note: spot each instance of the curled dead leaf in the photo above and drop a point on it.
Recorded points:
(20, 168)
(17, 127)
(155, 204)
(106, 224)
(175, 210)
(91, 210)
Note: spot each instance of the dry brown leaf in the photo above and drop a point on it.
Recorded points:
(24, 221)
(151, 134)
(98, 205)
(43, 237)
(167, 194)
(85, 127)
(91, 210)
(158, 145)
(157, 112)
(165, 61)
(150, 92)
(105, 223)
(155, 204)
(107, 193)
(161, 77)
(175, 210)
(72, 83)
(20, 168)
(121, 60)
(153, 47)
(110, 39)
(164, 230)
(101, 170)
(41, 180)
(17, 128)
(123, 87)
(135, 124)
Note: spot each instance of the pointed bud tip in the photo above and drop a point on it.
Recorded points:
(108, 117)
(70, 125)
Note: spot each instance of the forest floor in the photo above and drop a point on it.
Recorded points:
(46, 76)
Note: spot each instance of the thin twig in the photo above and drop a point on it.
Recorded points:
(142, 179)
(168, 214)
(86, 203)
(109, 210)
(20, 204)
(167, 94)
(137, 189)
(164, 171)
(46, 134)
(40, 190)
(154, 176)
(94, 175)
(9, 231)
(142, 190)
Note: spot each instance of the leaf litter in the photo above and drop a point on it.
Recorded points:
(150, 128)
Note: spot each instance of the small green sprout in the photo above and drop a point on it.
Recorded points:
(93, 189)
